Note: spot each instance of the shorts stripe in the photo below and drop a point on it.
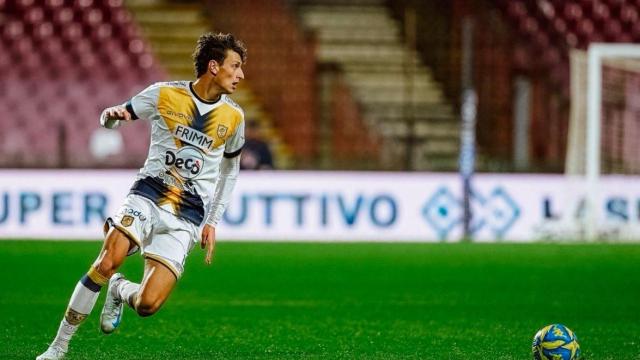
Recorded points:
(164, 262)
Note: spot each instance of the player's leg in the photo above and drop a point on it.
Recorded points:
(85, 294)
(165, 246)
(135, 219)
(146, 298)
(157, 284)
(165, 252)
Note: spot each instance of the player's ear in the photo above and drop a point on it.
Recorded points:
(213, 67)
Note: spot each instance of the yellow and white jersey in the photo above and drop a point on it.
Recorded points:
(189, 138)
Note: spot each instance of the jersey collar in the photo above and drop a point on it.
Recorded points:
(208, 102)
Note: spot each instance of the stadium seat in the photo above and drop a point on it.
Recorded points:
(34, 15)
(71, 59)
(635, 32)
(101, 32)
(612, 30)
(558, 26)
(63, 16)
(13, 29)
(72, 32)
(600, 12)
(92, 17)
(585, 29)
(629, 15)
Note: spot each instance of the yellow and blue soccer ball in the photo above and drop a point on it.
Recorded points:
(555, 342)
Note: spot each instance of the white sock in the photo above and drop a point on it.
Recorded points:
(82, 300)
(81, 303)
(127, 291)
(65, 332)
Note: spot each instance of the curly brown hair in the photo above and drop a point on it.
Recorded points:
(214, 47)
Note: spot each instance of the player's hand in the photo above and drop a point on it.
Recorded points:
(117, 113)
(209, 241)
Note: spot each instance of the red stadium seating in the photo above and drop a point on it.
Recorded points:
(555, 27)
(541, 35)
(62, 62)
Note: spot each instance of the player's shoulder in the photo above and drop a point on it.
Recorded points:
(227, 100)
(155, 87)
(173, 84)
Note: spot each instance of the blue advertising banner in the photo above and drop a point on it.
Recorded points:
(332, 206)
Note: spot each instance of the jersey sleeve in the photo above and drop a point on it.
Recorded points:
(234, 144)
(145, 103)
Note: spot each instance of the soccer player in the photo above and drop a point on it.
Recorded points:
(180, 193)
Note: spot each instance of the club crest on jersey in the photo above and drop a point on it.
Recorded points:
(222, 131)
(127, 220)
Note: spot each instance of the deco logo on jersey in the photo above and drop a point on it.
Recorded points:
(188, 161)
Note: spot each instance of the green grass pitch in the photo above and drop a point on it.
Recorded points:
(319, 301)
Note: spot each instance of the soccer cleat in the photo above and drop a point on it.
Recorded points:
(112, 310)
(53, 353)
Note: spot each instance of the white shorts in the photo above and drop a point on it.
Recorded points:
(159, 234)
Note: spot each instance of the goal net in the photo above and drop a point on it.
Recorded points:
(603, 147)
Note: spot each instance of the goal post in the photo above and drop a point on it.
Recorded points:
(606, 91)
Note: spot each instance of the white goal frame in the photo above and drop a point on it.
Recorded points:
(596, 53)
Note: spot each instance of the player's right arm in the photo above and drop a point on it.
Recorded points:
(142, 105)
(111, 117)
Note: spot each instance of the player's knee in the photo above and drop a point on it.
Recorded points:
(112, 255)
(146, 308)
(106, 267)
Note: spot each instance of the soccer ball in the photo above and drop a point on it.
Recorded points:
(555, 342)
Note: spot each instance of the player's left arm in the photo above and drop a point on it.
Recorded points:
(229, 169)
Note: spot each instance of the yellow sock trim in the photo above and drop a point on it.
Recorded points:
(96, 277)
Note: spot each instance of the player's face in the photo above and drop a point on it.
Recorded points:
(230, 72)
